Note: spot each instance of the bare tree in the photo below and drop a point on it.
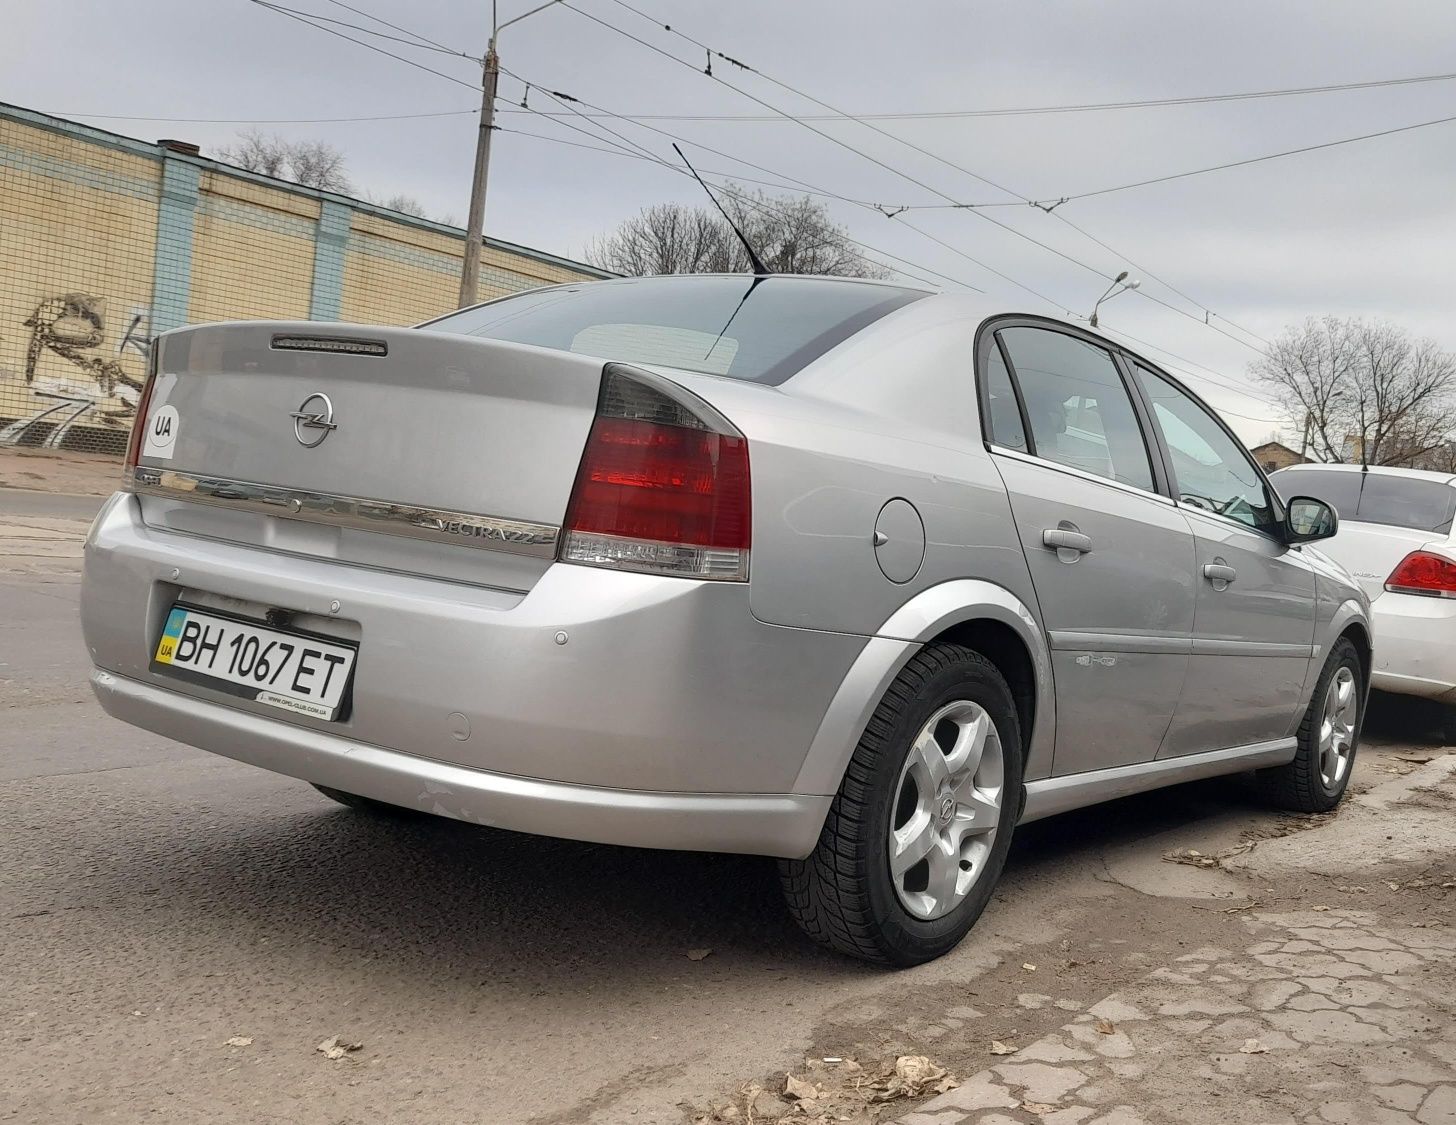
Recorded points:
(264, 153)
(404, 204)
(315, 164)
(663, 238)
(792, 234)
(1363, 391)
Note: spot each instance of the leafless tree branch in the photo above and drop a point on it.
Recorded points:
(1364, 390)
(792, 234)
(314, 164)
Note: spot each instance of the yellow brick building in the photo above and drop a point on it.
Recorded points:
(106, 241)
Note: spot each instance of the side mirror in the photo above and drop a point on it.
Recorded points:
(1307, 519)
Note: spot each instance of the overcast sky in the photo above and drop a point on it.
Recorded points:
(1367, 228)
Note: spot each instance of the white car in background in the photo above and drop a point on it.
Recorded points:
(1395, 538)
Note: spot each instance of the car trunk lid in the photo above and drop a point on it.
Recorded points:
(373, 445)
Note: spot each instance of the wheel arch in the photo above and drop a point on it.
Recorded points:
(1349, 622)
(1358, 634)
(979, 614)
(1004, 647)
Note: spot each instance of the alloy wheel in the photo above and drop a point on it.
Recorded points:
(1337, 728)
(947, 809)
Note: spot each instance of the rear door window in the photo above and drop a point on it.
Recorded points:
(1078, 408)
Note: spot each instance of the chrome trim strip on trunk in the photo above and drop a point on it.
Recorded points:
(465, 529)
(1054, 795)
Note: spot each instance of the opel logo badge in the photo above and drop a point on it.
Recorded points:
(316, 414)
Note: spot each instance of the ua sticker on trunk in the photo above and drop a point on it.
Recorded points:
(162, 433)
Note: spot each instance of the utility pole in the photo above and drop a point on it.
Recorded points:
(475, 229)
(475, 224)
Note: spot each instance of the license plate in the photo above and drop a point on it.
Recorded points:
(293, 671)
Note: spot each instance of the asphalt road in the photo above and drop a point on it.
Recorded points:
(23, 502)
(156, 901)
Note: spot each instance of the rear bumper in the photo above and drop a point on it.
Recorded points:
(1415, 645)
(773, 824)
(599, 705)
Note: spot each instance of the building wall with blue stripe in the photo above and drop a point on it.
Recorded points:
(106, 240)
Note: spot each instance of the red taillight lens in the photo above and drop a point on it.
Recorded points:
(1421, 572)
(657, 495)
(139, 423)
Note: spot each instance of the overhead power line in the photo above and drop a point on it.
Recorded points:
(322, 27)
(637, 152)
(266, 120)
(558, 119)
(959, 204)
(624, 146)
(392, 26)
(1034, 111)
(411, 42)
(1255, 160)
(804, 184)
(648, 155)
(362, 43)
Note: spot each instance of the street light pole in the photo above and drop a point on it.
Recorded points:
(1119, 280)
(475, 224)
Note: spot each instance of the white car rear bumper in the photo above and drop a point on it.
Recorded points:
(1415, 645)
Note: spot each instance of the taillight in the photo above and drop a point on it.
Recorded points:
(139, 423)
(663, 485)
(1421, 572)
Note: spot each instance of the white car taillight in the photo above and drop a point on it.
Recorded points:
(1424, 573)
(663, 485)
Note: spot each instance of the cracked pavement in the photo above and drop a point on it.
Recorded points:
(1325, 1014)
(1324, 1017)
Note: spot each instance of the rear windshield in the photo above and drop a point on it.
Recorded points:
(731, 326)
(1425, 505)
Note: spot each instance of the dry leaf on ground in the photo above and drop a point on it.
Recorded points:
(911, 1076)
(697, 954)
(1106, 1027)
(801, 1089)
(240, 1041)
(1191, 858)
(335, 1048)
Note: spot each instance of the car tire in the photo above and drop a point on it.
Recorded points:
(364, 804)
(845, 894)
(1328, 737)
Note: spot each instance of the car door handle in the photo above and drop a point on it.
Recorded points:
(1060, 539)
(1219, 572)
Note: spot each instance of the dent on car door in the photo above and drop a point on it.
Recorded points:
(1111, 560)
(1255, 613)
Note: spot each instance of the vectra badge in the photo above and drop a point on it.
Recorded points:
(316, 414)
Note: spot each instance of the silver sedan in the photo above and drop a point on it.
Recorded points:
(840, 572)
